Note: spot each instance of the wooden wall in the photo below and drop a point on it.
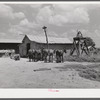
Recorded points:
(34, 45)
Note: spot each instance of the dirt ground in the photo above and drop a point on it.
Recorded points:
(24, 74)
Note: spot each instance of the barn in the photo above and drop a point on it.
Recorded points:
(10, 44)
(38, 42)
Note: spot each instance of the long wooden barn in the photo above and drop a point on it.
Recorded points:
(38, 42)
(10, 44)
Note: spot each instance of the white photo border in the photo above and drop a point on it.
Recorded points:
(46, 93)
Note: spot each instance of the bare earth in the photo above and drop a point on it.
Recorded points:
(24, 74)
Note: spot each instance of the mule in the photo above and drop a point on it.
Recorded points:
(50, 54)
(59, 55)
(47, 55)
(30, 55)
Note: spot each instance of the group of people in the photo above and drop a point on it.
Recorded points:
(46, 55)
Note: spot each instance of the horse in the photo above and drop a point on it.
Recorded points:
(38, 54)
(50, 54)
(47, 55)
(59, 55)
(42, 54)
(30, 55)
(33, 55)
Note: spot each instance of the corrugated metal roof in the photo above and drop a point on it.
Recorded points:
(51, 40)
(10, 41)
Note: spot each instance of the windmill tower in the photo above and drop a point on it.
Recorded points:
(79, 45)
(44, 28)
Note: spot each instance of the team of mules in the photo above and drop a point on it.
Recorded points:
(46, 55)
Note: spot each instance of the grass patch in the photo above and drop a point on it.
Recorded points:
(91, 72)
(82, 59)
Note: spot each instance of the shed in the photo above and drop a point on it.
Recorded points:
(38, 42)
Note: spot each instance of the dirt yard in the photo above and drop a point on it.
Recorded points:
(24, 74)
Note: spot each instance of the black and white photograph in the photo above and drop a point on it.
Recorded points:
(50, 45)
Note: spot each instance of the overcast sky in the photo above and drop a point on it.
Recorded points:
(62, 20)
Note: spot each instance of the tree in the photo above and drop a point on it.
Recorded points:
(89, 42)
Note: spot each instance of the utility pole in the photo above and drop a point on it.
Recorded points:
(44, 28)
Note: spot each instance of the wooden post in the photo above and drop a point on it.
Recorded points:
(44, 28)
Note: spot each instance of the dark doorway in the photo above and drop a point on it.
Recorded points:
(28, 47)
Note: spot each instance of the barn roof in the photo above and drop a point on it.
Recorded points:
(51, 40)
(10, 41)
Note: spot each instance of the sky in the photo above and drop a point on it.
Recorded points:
(61, 20)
